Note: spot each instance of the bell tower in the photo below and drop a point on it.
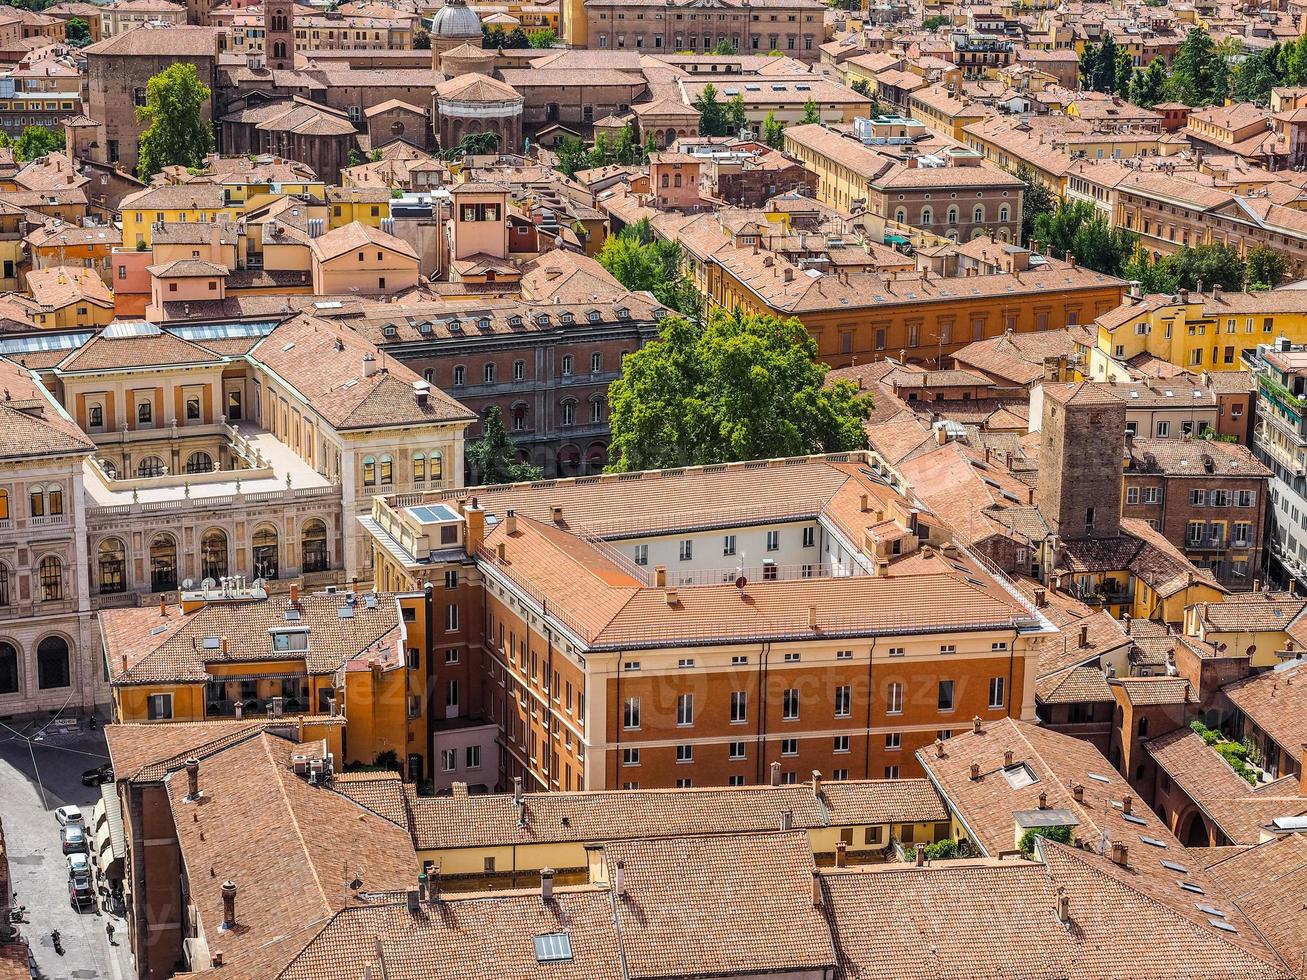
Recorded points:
(279, 34)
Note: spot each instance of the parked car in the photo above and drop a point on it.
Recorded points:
(78, 863)
(98, 775)
(80, 891)
(69, 814)
(72, 837)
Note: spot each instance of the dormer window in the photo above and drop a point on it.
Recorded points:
(389, 330)
(623, 314)
(543, 319)
(484, 323)
(567, 318)
(514, 321)
(455, 325)
(593, 316)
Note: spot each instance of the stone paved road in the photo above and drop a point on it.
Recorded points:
(36, 776)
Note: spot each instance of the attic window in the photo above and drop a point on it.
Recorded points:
(514, 321)
(389, 330)
(212, 643)
(1153, 841)
(424, 327)
(623, 314)
(567, 318)
(543, 319)
(455, 325)
(593, 316)
(553, 947)
(1173, 866)
(484, 323)
(290, 640)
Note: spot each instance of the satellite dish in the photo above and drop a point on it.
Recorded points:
(208, 584)
(741, 582)
(188, 584)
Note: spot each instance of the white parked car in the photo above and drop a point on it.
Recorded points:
(78, 864)
(69, 814)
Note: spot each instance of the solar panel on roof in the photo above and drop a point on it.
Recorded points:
(553, 947)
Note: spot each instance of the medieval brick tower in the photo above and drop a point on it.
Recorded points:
(1081, 449)
(279, 34)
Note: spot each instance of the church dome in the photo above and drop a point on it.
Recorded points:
(456, 20)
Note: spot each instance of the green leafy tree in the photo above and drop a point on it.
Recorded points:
(1027, 842)
(1078, 228)
(712, 117)
(421, 40)
(493, 454)
(176, 132)
(1212, 265)
(811, 113)
(1037, 199)
(861, 86)
(1105, 74)
(935, 22)
(724, 47)
(773, 131)
(1198, 71)
(37, 141)
(1265, 268)
(642, 263)
(1125, 70)
(1148, 87)
(650, 146)
(626, 150)
(474, 144)
(1089, 66)
(571, 153)
(78, 32)
(1254, 77)
(737, 386)
(602, 154)
(736, 120)
(1153, 277)
(516, 39)
(544, 37)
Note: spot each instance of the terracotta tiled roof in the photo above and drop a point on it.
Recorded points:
(703, 905)
(480, 821)
(1154, 690)
(32, 422)
(60, 286)
(1268, 882)
(1276, 702)
(1019, 357)
(107, 351)
(1255, 611)
(356, 235)
(177, 42)
(1073, 685)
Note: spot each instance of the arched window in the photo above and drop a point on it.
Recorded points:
(519, 416)
(51, 574)
(419, 467)
(435, 465)
(4, 505)
(1003, 235)
(163, 563)
(199, 463)
(213, 554)
(676, 180)
(569, 413)
(596, 411)
(52, 663)
(901, 216)
(8, 668)
(369, 471)
(314, 547)
(279, 49)
(386, 469)
(927, 216)
(952, 215)
(265, 553)
(36, 501)
(112, 560)
(149, 466)
(1003, 213)
(4, 584)
(978, 216)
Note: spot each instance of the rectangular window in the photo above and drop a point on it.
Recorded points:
(1198, 497)
(893, 741)
(841, 744)
(809, 537)
(891, 772)
(843, 706)
(790, 704)
(159, 707)
(451, 618)
(684, 710)
(473, 757)
(997, 691)
(948, 648)
(630, 757)
(843, 654)
(687, 550)
(894, 700)
(728, 544)
(631, 714)
(773, 540)
(789, 746)
(642, 554)
(448, 760)
(736, 751)
(739, 707)
(945, 697)
(685, 753)
(1163, 429)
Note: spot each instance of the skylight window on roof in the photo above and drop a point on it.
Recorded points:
(345, 612)
(1173, 866)
(1133, 819)
(1097, 778)
(1222, 925)
(288, 347)
(1189, 886)
(1020, 776)
(292, 615)
(1153, 841)
(158, 629)
(211, 643)
(1210, 910)
(290, 640)
(553, 947)
(350, 383)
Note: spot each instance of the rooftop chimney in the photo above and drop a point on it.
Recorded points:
(841, 854)
(294, 593)
(1127, 804)
(1041, 598)
(369, 365)
(816, 889)
(775, 773)
(546, 885)
(1063, 905)
(163, 605)
(1070, 260)
(787, 820)
(812, 617)
(672, 597)
(1007, 759)
(413, 899)
(816, 783)
(975, 724)
(1084, 634)
(556, 513)
(228, 904)
(1078, 791)
(864, 505)
(1120, 854)
(1043, 800)
(660, 576)
(517, 789)
(975, 770)
(192, 778)
(619, 878)
(939, 748)
(921, 855)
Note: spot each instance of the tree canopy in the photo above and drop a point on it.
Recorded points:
(1264, 268)
(1037, 199)
(811, 112)
(1079, 229)
(1148, 86)
(493, 454)
(724, 47)
(37, 141)
(773, 131)
(1209, 265)
(640, 262)
(1199, 74)
(77, 31)
(176, 132)
(713, 119)
(497, 37)
(544, 37)
(737, 386)
(624, 149)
